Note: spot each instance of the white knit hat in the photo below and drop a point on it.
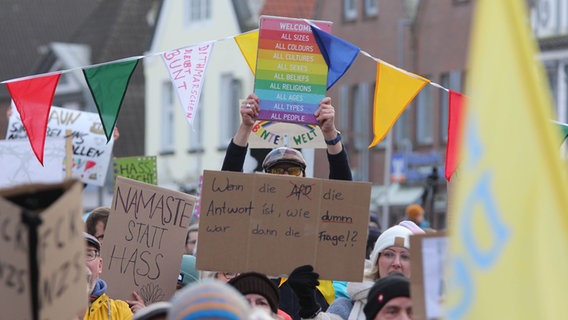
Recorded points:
(395, 236)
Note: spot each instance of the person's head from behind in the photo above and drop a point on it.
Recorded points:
(191, 239)
(285, 160)
(415, 213)
(392, 251)
(208, 299)
(94, 260)
(258, 290)
(96, 222)
(389, 298)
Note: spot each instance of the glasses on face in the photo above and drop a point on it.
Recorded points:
(391, 255)
(92, 254)
(294, 171)
(229, 275)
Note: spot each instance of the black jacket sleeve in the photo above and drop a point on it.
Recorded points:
(234, 158)
(339, 166)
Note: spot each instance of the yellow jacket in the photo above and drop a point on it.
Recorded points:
(104, 308)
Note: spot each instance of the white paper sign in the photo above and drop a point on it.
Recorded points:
(20, 166)
(91, 152)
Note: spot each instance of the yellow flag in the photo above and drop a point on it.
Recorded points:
(393, 92)
(248, 44)
(508, 253)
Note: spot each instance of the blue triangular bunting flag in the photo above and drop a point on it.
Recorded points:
(338, 54)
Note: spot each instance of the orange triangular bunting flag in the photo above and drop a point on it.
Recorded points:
(33, 98)
(394, 90)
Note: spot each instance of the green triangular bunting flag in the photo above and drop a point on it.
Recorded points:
(108, 83)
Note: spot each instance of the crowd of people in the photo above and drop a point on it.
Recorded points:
(384, 292)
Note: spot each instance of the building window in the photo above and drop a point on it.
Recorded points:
(167, 125)
(361, 113)
(371, 8)
(424, 116)
(350, 10)
(197, 11)
(230, 93)
(344, 108)
(196, 130)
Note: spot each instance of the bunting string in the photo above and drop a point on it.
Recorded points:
(231, 37)
(108, 82)
(365, 53)
(119, 60)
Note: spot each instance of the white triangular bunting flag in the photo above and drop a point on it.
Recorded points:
(187, 68)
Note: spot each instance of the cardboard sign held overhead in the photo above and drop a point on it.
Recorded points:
(43, 252)
(275, 223)
(291, 72)
(144, 240)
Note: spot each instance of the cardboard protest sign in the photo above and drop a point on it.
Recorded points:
(144, 240)
(273, 134)
(291, 73)
(91, 152)
(143, 168)
(428, 285)
(43, 273)
(275, 223)
(20, 166)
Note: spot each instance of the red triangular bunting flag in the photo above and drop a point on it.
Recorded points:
(455, 122)
(33, 98)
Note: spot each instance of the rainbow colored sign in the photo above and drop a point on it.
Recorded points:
(291, 73)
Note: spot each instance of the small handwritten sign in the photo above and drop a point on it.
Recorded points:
(19, 165)
(274, 223)
(291, 73)
(141, 168)
(144, 240)
(62, 282)
(91, 152)
(274, 134)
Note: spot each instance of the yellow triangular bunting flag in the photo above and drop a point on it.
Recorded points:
(248, 44)
(394, 90)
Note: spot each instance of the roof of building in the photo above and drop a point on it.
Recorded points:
(113, 29)
(28, 26)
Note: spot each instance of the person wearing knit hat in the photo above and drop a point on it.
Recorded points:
(390, 255)
(415, 213)
(258, 290)
(392, 250)
(389, 298)
(208, 299)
